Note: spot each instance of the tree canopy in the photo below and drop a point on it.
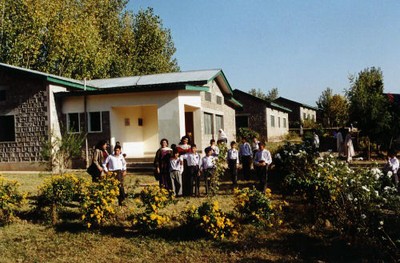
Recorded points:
(84, 38)
(368, 105)
(270, 96)
(334, 108)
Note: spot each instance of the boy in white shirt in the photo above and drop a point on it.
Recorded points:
(207, 168)
(393, 166)
(262, 160)
(175, 172)
(193, 169)
(117, 165)
(233, 161)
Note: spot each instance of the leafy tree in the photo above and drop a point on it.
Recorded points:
(84, 38)
(271, 95)
(368, 105)
(334, 108)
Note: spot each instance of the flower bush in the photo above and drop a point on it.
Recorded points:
(152, 198)
(361, 203)
(57, 192)
(98, 201)
(211, 221)
(256, 207)
(10, 199)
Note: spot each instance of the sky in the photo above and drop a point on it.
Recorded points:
(300, 47)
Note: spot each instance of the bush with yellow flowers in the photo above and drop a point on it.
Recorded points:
(211, 221)
(10, 199)
(153, 199)
(255, 207)
(98, 201)
(57, 192)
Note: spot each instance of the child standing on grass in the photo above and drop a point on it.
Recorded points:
(193, 170)
(116, 164)
(207, 168)
(262, 160)
(233, 160)
(175, 172)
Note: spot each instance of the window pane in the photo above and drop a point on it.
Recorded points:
(7, 128)
(207, 123)
(272, 121)
(219, 100)
(73, 122)
(219, 122)
(207, 96)
(94, 122)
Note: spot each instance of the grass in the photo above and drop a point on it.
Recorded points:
(26, 240)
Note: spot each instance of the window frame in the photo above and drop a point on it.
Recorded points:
(211, 128)
(272, 121)
(69, 124)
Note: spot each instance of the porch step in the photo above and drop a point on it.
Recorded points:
(144, 164)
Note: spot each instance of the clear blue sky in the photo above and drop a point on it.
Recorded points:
(299, 47)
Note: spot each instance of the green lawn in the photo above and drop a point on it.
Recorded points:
(26, 240)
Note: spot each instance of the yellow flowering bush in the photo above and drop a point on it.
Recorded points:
(10, 199)
(209, 219)
(152, 198)
(98, 201)
(57, 192)
(253, 206)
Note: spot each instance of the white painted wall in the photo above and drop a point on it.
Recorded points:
(309, 112)
(274, 133)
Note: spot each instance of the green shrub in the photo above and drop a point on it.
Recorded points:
(10, 200)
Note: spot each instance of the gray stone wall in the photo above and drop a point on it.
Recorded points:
(26, 99)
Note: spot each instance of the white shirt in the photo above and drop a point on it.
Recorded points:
(394, 164)
(175, 164)
(207, 162)
(192, 159)
(114, 163)
(233, 154)
(263, 156)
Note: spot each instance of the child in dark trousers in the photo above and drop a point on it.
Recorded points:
(207, 168)
(233, 160)
(193, 169)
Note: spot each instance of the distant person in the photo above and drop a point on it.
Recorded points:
(261, 162)
(233, 161)
(192, 159)
(99, 155)
(161, 164)
(315, 141)
(213, 147)
(245, 155)
(183, 146)
(175, 172)
(392, 165)
(340, 143)
(349, 148)
(222, 136)
(254, 145)
(207, 168)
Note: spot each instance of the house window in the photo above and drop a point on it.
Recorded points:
(73, 122)
(284, 122)
(7, 128)
(242, 121)
(279, 122)
(3, 93)
(272, 121)
(208, 123)
(207, 96)
(219, 122)
(219, 100)
(95, 122)
(304, 116)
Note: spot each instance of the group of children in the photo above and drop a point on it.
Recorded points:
(181, 168)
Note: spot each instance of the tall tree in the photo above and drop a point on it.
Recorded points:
(334, 108)
(84, 38)
(368, 105)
